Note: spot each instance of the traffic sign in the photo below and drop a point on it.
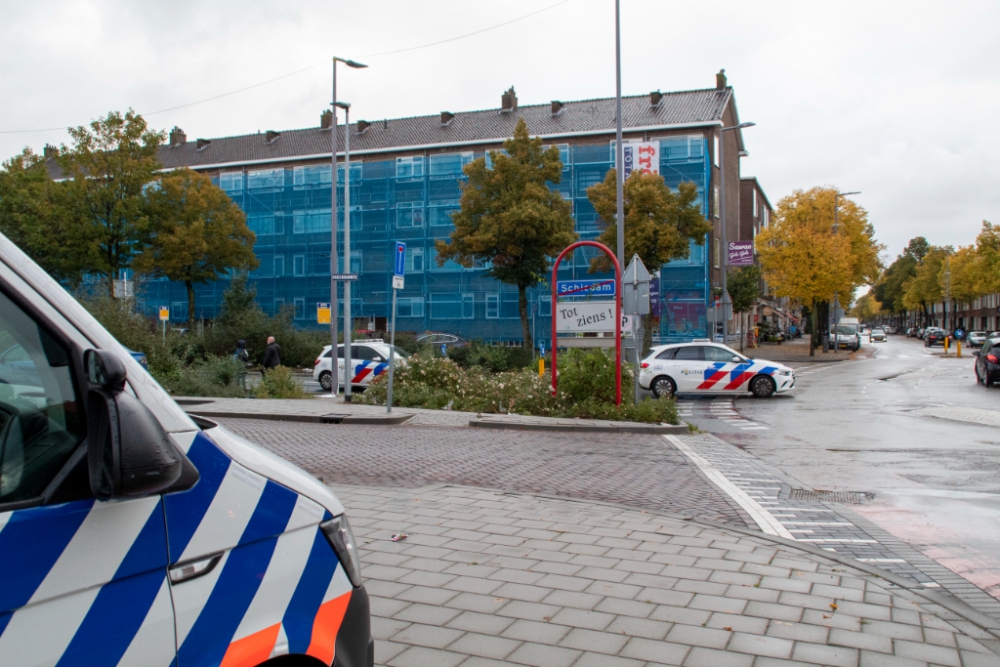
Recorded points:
(344, 276)
(164, 313)
(400, 266)
(959, 333)
(397, 282)
(585, 287)
(322, 313)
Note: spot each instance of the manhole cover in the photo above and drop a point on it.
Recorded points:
(839, 497)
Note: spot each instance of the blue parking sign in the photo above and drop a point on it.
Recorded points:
(400, 267)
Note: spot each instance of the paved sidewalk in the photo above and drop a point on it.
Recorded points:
(489, 578)
(327, 409)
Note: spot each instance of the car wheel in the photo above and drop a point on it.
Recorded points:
(979, 380)
(326, 380)
(663, 387)
(987, 380)
(762, 386)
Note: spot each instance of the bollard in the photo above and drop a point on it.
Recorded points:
(958, 349)
(541, 367)
(947, 339)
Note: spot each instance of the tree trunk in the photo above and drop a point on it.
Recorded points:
(522, 308)
(743, 333)
(812, 334)
(190, 292)
(647, 334)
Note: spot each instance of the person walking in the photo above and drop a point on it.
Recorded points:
(272, 354)
(242, 358)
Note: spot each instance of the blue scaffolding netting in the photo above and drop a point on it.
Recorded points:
(411, 199)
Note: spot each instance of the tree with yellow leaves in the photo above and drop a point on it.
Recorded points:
(803, 257)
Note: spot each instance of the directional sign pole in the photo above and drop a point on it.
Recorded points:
(397, 284)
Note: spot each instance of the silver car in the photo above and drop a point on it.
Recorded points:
(876, 335)
(976, 338)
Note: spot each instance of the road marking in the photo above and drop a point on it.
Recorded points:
(757, 512)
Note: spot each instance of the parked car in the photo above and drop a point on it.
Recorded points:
(369, 359)
(711, 368)
(134, 533)
(437, 339)
(934, 336)
(877, 335)
(141, 358)
(988, 362)
(920, 333)
(911, 332)
(976, 338)
(845, 336)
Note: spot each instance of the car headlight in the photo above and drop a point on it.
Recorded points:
(338, 533)
(786, 373)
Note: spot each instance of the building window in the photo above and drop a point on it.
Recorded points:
(306, 176)
(449, 265)
(715, 201)
(311, 222)
(231, 181)
(265, 179)
(356, 261)
(410, 167)
(718, 251)
(492, 306)
(754, 203)
(715, 149)
(409, 215)
(300, 308)
(414, 262)
(179, 311)
(452, 306)
(439, 213)
(279, 265)
(299, 265)
(355, 173)
(279, 305)
(767, 217)
(261, 225)
(448, 164)
(410, 306)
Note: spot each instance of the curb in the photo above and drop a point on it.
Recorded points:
(363, 420)
(585, 428)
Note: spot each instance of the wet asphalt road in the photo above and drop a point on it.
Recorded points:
(863, 426)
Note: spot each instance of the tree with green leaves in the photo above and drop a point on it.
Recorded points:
(511, 218)
(32, 215)
(195, 233)
(659, 224)
(988, 249)
(109, 165)
(925, 287)
(744, 288)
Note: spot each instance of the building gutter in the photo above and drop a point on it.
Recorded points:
(420, 147)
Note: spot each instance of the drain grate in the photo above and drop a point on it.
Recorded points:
(839, 497)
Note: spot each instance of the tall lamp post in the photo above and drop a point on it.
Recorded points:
(334, 260)
(836, 230)
(619, 149)
(727, 300)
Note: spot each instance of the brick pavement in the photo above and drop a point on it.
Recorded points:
(489, 578)
(646, 474)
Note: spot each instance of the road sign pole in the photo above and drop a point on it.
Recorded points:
(392, 351)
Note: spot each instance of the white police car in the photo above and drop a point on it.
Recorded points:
(369, 359)
(711, 368)
(132, 534)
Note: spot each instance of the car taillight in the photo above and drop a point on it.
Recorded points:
(316, 363)
(992, 358)
(645, 364)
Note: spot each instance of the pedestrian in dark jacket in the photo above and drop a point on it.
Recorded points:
(272, 354)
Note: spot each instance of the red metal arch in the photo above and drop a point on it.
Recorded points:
(618, 315)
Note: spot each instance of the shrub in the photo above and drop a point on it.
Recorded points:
(219, 377)
(278, 382)
(590, 374)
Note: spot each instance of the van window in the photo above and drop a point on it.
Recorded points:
(41, 419)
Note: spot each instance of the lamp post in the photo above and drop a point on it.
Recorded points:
(836, 208)
(619, 148)
(727, 300)
(334, 380)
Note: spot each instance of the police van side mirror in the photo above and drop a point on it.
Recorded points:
(128, 452)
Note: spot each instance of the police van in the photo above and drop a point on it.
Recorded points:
(132, 534)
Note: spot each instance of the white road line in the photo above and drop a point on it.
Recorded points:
(761, 516)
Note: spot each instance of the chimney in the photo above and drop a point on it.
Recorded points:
(326, 120)
(557, 107)
(271, 136)
(177, 136)
(508, 101)
(202, 143)
(446, 118)
(50, 152)
(363, 126)
(720, 80)
(655, 98)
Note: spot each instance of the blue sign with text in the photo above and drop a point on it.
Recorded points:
(585, 287)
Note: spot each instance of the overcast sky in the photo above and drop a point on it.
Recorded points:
(900, 100)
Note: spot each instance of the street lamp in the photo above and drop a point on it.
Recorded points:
(619, 149)
(334, 261)
(836, 208)
(727, 301)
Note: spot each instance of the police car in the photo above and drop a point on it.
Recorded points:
(369, 359)
(132, 534)
(702, 367)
